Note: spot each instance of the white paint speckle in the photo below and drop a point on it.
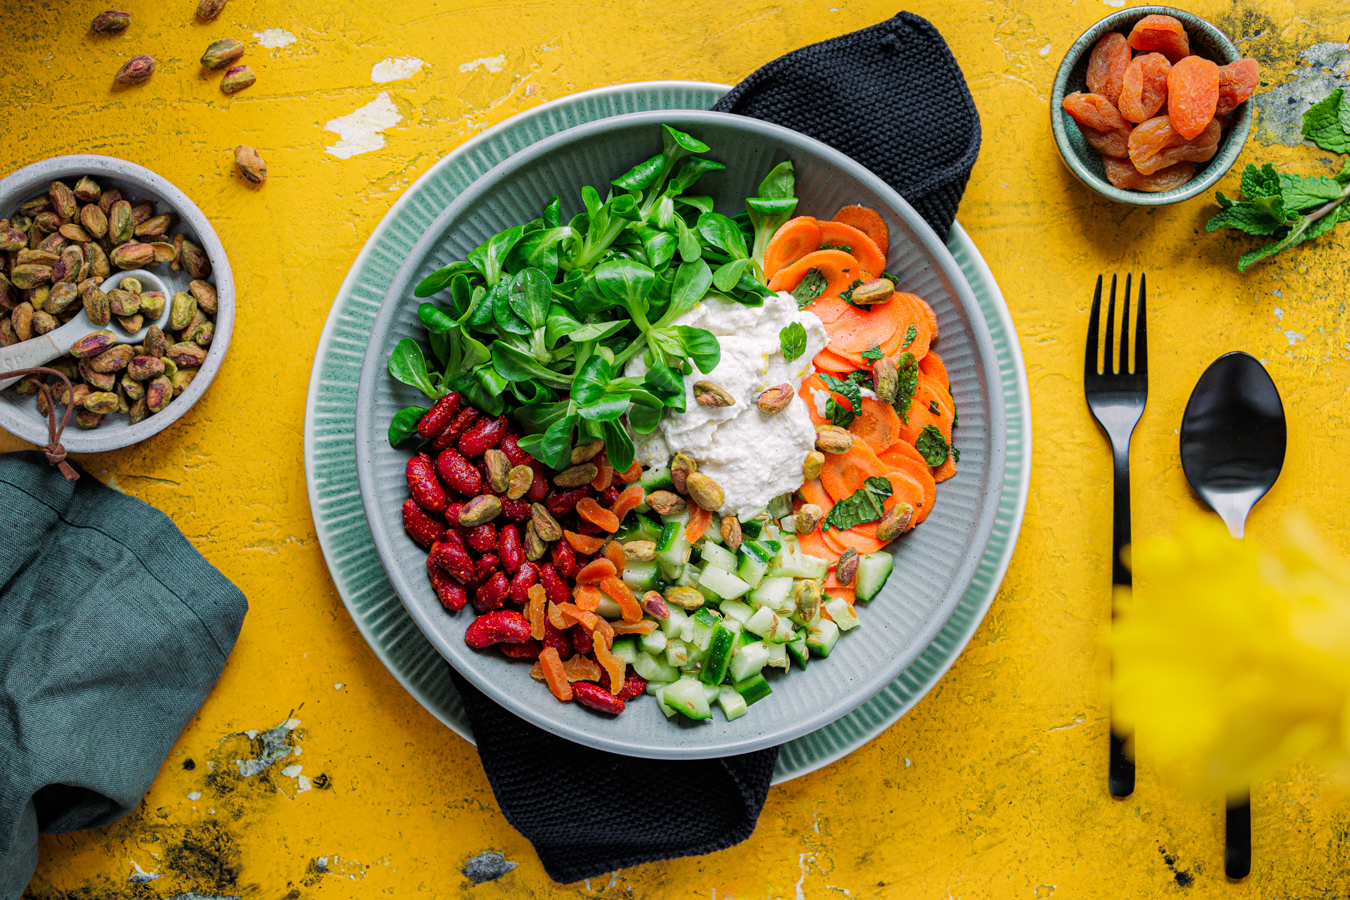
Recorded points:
(273, 38)
(302, 784)
(1293, 337)
(1279, 313)
(908, 762)
(1116, 3)
(1278, 293)
(493, 64)
(292, 771)
(339, 686)
(140, 876)
(395, 68)
(1044, 51)
(801, 864)
(296, 751)
(360, 130)
(194, 796)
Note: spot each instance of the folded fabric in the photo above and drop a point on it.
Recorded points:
(112, 631)
(893, 98)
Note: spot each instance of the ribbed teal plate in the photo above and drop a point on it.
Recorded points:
(330, 420)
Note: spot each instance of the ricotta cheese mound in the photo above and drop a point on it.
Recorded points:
(753, 456)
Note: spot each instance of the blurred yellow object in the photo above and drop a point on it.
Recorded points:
(1231, 659)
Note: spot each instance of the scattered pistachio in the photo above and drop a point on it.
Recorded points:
(809, 517)
(72, 232)
(43, 322)
(121, 223)
(114, 359)
(97, 307)
(846, 567)
(110, 22)
(480, 510)
(101, 402)
(544, 524)
(518, 482)
(132, 256)
(145, 368)
(499, 470)
(139, 410)
(123, 302)
(775, 399)
(99, 381)
(705, 492)
(895, 523)
(833, 439)
(182, 378)
(158, 393)
(813, 465)
(183, 308)
(87, 189)
(186, 354)
(535, 548)
(250, 164)
(684, 597)
(665, 503)
(586, 451)
(62, 199)
(194, 260)
(205, 295)
(878, 290)
(731, 533)
(640, 551)
(90, 344)
(237, 78)
(806, 597)
(576, 476)
(155, 226)
(152, 304)
(654, 605)
(712, 395)
(155, 343)
(30, 275)
(88, 419)
(209, 9)
(136, 70)
(885, 379)
(131, 323)
(61, 297)
(680, 468)
(222, 53)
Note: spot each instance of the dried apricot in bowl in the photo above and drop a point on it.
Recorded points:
(1156, 145)
(1106, 67)
(1192, 95)
(1165, 34)
(1102, 124)
(1143, 89)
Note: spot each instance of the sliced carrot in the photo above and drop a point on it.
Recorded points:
(862, 538)
(877, 424)
(834, 589)
(699, 520)
(828, 307)
(810, 385)
(622, 595)
(584, 543)
(913, 317)
(587, 597)
(616, 667)
(861, 247)
(554, 675)
(614, 553)
(945, 471)
(814, 492)
(581, 668)
(794, 239)
(868, 221)
(929, 315)
(845, 473)
(829, 361)
(904, 458)
(534, 610)
(927, 408)
(931, 364)
(646, 626)
(839, 269)
(630, 474)
(630, 499)
(597, 515)
(857, 330)
(595, 570)
(604, 475)
(813, 545)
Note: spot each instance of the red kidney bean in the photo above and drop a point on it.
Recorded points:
(515, 510)
(502, 626)
(452, 536)
(450, 436)
(581, 639)
(420, 526)
(452, 596)
(584, 527)
(554, 587)
(564, 559)
(452, 513)
(422, 483)
(609, 496)
(462, 476)
(539, 487)
(486, 563)
(633, 686)
(441, 414)
(526, 577)
(484, 434)
(596, 697)
(453, 559)
(492, 595)
(528, 650)
(558, 639)
(511, 447)
(560, 503)
(509, 548)
(483, 537)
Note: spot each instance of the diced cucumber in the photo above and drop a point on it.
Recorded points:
(686, 696)
(780, 506)
(796, 648)
(641, 576)
(773, 533)
(793, 563)
(752, 529)
(821, 637)
(698, 629)
(842, 613)
(751, 514)
(763, 623)
(722, 583)
(714, 533)
(711, 691)
(625, 648)
(755, 560)
(656, 480)
(672, 625)
(734, 609)
(719, 653)
(718, 557)
(873, 570)
(733, 704)
(778, 656)
(753, 689)
(682, 516)
(677, 654)
(660, 694)
(608, 608)
(690, 576)
(775, 593)
(637, 527)
(654, 669)
(672, 549)
(653, 643)
(748, 661)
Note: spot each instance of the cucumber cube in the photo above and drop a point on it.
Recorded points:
(625, 648)
(733, 704)
(656, 480)
(653, 643)
(873, 570)
(686, 696)
(734, 609)
(821, 637)
(749, 660)
(660, 694)
(775, 593)
(842, 613)
(719, 654)
(640, 576)
(653, 668)
(778, 656)
(753, 689)
(677, 654)
(722, 583)
(719, 557)
(796, 648)
(671, 626)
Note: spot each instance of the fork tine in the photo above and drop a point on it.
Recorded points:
(1108, 362)
(1090, 364)
(1141, 333)
(1125, 327)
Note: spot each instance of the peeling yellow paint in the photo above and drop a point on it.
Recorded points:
(994, 786)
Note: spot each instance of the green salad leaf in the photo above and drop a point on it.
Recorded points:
(863, 506)
(792, 338)
(932, 446)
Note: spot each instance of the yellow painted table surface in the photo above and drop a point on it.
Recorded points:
(994, 785)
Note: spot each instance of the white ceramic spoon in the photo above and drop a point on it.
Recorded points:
(54, 344)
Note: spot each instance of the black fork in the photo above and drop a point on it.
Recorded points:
(1117, 398)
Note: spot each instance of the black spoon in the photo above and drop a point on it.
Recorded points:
(1232, 449)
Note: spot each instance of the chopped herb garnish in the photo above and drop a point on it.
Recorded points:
(910, 334)
(847, 294)
(793, 340)
(893, 279)
(907, 368)
(932, 446)
(865, 505)
(845, 247)
(861, 378)
(809, 289)
(956, 415)
(836, 412)
(956, 454)
(873, 354)
(934, 408)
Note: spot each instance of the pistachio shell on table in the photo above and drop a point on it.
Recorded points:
(237, 78)
(221, 53)
(250, 164)
(110, 22)
(137, 70)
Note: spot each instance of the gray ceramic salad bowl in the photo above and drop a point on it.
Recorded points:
(934, 563)
(18, 413)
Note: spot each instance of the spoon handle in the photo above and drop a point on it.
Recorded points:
(27, 355)
(1120, 775)
(1237, 851)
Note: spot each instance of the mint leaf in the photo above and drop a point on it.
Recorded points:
(1328, 222)
(934, 408)
(1246, 217)
(1259, 183)
(1246, 260)
(1302, 193)
(847, 294)
(908, 382)
(865, 505)
(836, 412)
(1327, 124)
(793, 340)
(911, 333)
(932, 446)
(809, 289)
(873, 354)
(844, 247)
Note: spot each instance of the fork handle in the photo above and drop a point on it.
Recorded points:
(1120, 775)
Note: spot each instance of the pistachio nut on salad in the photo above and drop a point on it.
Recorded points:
(664, 448)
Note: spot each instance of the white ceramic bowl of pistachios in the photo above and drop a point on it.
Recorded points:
(60, 260)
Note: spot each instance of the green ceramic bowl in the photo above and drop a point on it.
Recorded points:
(1086, 163)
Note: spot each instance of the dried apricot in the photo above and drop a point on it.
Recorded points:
(621, 594)
(1106, 66)
(587, 597)
(596, 570)
(597, 515)
(553, 674)
(1237, 81)
(1143, 91)
(1123, 174)
(1165, 34)
(1156, 145)
(1101, 123)
(1192, 95)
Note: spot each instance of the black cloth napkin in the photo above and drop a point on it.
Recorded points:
(893, 98)
(113, 629)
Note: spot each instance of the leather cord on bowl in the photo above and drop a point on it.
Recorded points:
(56, 454)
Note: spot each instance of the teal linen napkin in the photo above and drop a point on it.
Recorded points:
(112, 631)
